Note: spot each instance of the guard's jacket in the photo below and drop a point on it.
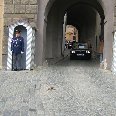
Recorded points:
(17, 45)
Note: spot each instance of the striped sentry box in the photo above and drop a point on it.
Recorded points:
(30, 45)
(114, 55)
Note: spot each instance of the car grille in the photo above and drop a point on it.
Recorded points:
(80, 51)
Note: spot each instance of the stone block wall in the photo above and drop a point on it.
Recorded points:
(1, 29)
(15, 10)
(115, 15)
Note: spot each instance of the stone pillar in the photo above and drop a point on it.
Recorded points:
(1, 30)
(108, 35)
(40, 41)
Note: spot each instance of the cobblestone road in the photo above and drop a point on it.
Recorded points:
(70, 88)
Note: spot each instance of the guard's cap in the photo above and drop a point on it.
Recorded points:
(17, 31)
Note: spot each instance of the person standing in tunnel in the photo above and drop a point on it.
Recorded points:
(17, 48)
(101, 47)
(89, 45)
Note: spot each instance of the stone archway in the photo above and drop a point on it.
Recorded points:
(30, 44)
(55, 22)
(101, 7)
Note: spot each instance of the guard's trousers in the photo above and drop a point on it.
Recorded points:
(16, 60)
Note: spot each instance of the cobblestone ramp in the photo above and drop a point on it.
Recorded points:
(69, 88)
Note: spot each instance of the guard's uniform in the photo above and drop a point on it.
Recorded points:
(17, 47)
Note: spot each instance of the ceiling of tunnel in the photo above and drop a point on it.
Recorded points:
(66, 5)
(80, 14)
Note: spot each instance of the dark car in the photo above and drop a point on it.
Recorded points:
(80, 51)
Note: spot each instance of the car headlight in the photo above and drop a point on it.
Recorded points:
(73, 51)
(88, 52)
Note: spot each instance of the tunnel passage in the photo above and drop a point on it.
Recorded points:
(86, 16)
(87, 21)
(84, 20)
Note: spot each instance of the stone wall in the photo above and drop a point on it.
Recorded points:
(115, 16)
(1, 29)
(15, 10)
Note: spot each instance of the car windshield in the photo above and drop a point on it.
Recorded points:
(80, 46)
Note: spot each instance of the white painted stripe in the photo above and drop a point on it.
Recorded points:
(28, 62)
(28, 67)
(11, 28)
(9, 64)
(29, 41)
(28, 28)
(28, 57)
(11, 32)
(114, 54)
(9, 59)
(29, 36)
(28, 49)
(26, 25)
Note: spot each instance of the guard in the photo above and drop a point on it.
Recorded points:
(17, 48)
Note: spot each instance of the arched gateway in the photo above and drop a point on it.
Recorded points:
(48, 19)
(50, 23)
